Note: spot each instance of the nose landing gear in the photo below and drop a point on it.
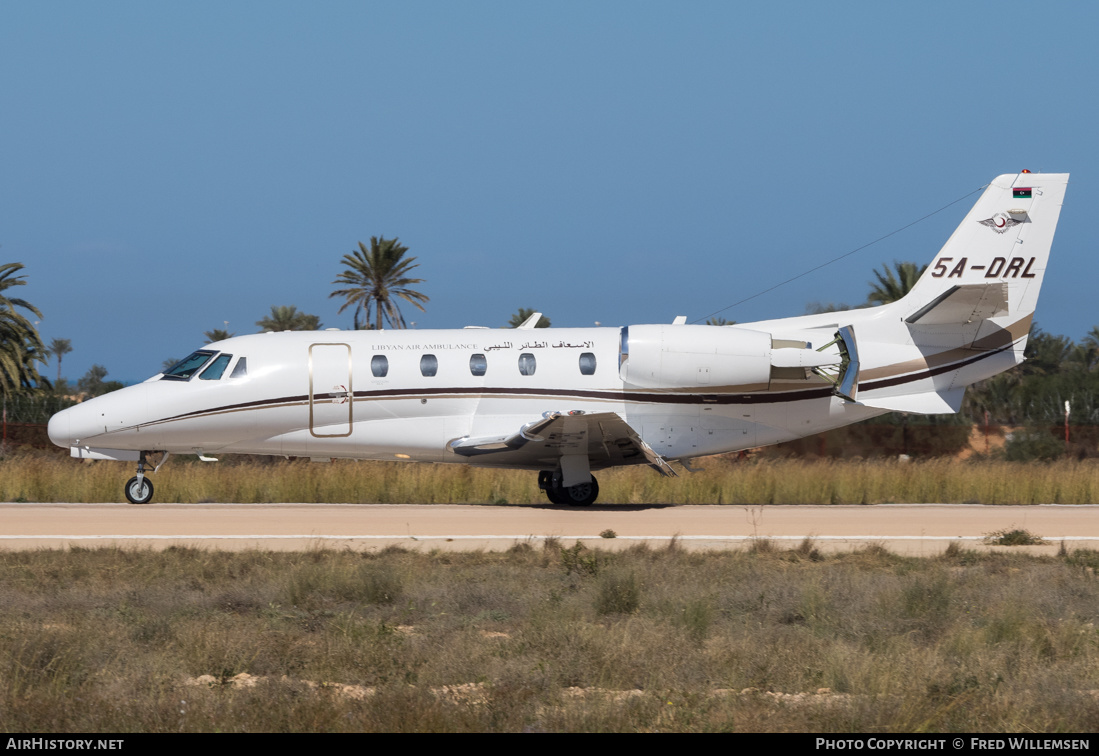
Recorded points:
(139, 489)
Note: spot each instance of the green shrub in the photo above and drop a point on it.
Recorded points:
(1012, 537)
(1032, 445)
(578, 559)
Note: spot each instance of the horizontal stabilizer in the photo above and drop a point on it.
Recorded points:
(964, 304)
(926, 403)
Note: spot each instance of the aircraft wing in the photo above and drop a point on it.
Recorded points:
(604, 437)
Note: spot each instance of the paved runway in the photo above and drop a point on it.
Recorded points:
(906, 529)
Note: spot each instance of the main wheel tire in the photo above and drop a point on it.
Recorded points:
(139, 491)
(545, 483)
(583, 495)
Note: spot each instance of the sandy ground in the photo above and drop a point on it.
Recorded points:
(907, 529)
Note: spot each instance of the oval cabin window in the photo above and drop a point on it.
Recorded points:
(587, 363)
(478, 364)
(379, 365)
(527, 364)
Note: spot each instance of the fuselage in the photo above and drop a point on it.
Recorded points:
(407, 394)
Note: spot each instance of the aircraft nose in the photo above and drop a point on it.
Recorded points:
(71, 426)
(60, 427)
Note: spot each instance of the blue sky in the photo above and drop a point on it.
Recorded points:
(169, 167)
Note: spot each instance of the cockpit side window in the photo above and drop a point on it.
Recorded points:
(216, 369)
(188, 366)
(240, 369)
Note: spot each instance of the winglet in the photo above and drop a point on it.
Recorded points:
(531, 322)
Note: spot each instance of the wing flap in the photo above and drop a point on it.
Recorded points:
(603, 437)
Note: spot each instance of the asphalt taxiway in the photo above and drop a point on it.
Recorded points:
(923, 529)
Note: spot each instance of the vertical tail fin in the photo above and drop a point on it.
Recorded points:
(997, 256)
(969, 315)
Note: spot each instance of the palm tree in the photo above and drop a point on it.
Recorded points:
(287, 318)
(1091, 345)
(890, 287)
(376, 277)
(59, 348)
(1045, 353)
(92, 384)
(520, 317)
(21, 347)
(220, 334)
(817, 308)
(719, 321)
(998, 396)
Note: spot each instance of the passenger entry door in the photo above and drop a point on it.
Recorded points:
(331, 397)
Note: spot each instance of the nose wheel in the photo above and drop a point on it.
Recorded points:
(139, 490)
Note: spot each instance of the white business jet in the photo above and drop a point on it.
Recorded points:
(567, 401)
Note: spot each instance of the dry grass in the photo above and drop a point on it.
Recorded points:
(720, 480)
(560, 638)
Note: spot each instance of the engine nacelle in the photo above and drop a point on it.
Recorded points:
(695, 356)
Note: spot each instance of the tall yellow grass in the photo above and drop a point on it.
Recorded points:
(718, 480)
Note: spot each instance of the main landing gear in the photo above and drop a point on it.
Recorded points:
(581, 495)
(139, 489)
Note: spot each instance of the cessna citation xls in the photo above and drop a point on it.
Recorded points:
(567, 401)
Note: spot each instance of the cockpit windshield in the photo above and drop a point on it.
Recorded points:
(217, 368)
(188, 366)
(199, 363)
